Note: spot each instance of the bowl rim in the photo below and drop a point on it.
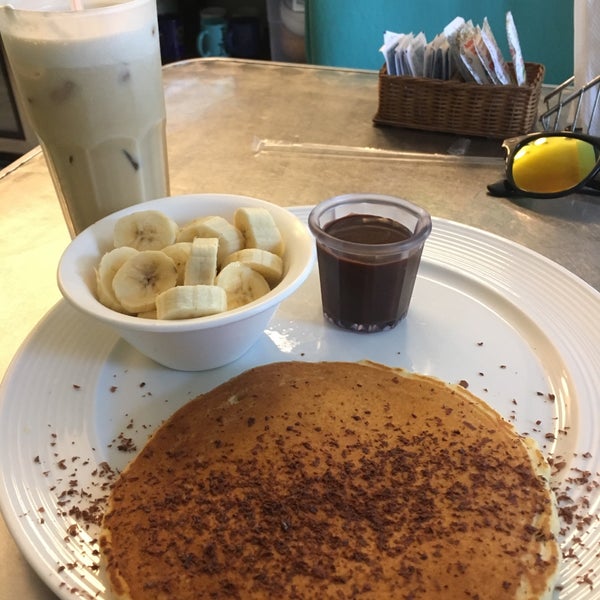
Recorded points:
(79, 294)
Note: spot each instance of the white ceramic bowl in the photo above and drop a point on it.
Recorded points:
(187, 344)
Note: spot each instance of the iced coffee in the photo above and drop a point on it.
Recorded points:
(91, 83)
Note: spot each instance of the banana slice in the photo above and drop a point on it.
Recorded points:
(230, 237)
(191, 230)
(201, 267)
(189, 301)
(269, 265)
(145, 230)
(109, 264)
(179, 252)
(242, 284)
(141, 278)
(259, 229)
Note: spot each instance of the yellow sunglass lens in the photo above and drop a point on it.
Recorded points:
(553, 164)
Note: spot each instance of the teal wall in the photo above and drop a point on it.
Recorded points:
(349, 33)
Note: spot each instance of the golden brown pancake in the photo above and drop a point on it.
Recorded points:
(333, 480)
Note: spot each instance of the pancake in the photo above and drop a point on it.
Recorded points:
(333, 480)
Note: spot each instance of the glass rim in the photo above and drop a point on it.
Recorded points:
(415, 241)
(104, 8)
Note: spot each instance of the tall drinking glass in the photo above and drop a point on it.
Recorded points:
(90, 79)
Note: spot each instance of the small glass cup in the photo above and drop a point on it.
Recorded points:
(369, 249)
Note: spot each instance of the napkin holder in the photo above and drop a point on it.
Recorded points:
(455, 106)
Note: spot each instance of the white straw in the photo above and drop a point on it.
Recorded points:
(76, 4)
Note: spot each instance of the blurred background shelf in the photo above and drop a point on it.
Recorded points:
(281, 25)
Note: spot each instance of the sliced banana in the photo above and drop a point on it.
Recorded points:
(145, 230)
(105, 273)
(189, 301)
(201, 267)
(179, 252)
(230, 237)
(190, 230)
(259, 229)
(269, 265)
(141, 278)
(153, 255)
(242, 284)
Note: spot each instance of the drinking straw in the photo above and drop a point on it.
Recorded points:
(76, 4)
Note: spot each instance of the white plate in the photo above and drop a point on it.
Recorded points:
(522, 331)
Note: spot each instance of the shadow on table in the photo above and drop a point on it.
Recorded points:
(430, 142)
(575, 207)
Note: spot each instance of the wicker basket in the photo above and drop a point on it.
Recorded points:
(492, 111)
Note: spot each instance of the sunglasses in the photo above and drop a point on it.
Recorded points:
(550, 165)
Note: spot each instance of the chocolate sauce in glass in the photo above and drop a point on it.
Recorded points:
(358, 293)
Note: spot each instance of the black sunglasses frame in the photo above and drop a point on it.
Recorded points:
(508, 187)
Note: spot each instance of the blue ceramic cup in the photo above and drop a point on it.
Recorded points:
(213, 30)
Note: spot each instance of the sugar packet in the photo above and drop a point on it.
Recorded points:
(500, 67)
(400, 54)
(415, 54)
(452, 33)
(390, 41)
(515, 49)
(466, 37)
(462, 49)
(439, 62)
(485, 57)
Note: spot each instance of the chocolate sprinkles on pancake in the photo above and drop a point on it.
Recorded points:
(333, 480)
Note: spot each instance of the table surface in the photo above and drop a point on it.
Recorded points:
(293, 135)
